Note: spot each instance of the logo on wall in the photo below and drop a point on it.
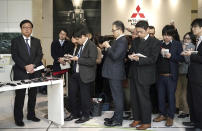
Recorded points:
(136, 16)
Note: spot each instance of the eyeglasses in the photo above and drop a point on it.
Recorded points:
(27, 28)
(115, 29)
(139, 32)
(187, 38)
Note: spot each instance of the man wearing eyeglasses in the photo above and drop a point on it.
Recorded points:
(26, 52)
(114, 70)
(83, 74)
(195, 78)
(142, 74)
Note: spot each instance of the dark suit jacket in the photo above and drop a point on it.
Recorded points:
(87, 62)
(21, 57)
(58, 51)
(144, 70)
(195, 68)
(113, 67)
(176, 57)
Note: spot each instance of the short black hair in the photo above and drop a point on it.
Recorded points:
(63, 29)
(197, 22)
(142, 24)
(151, 27)
(80, 30)
(169, 30)
(119, 24)
(101, 39)
(25, 21)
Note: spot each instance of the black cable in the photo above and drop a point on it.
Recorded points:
(49, 126)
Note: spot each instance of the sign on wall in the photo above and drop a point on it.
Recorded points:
(137, 16)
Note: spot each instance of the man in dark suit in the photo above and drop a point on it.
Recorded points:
(26, 52)
(142, 74)
(83, 76)
(153, 90)
(114, 69)
(195, 78)
(70, 72)
(167, 66)
(59, 48)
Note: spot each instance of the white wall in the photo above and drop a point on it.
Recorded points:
(200, 8)
(158, 12)
(47, 33)
(12, 12)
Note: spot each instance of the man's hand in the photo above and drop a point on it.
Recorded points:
(186, 53)
(130, 57)
(136, 58)
(133, 57)
(167, 55)
(75, 58)
(106, 44)
(29, 68)
(61, 60)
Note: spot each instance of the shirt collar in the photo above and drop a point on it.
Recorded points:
(199, 42)
(200, 38)
(84, 43)
(146, 37)
(26, 37)
(167, 43)
(119, 36)
(61, 40)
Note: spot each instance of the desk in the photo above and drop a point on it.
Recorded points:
(55, 98)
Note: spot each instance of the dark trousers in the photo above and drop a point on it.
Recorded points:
(79, 96)
(196, 93)
(154, 98)
(190, 103)
(117, 95)
(166, 87)
(140, 100)
(19, 103)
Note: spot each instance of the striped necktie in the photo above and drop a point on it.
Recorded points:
(28, 47)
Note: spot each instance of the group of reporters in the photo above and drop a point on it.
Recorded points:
(152, 64)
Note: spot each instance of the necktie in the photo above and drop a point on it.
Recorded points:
(28, 47)
(78, 55)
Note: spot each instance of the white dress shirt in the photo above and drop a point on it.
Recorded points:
(29, 40)
(77, 65)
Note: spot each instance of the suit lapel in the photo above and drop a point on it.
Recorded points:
(32, 46)
(135, 47)
(85, 48)
(200, 46)
(24, 45)
(172, 47)
(113, 43)
(143, 44)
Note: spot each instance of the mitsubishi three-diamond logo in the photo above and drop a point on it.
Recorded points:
(135, 17)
